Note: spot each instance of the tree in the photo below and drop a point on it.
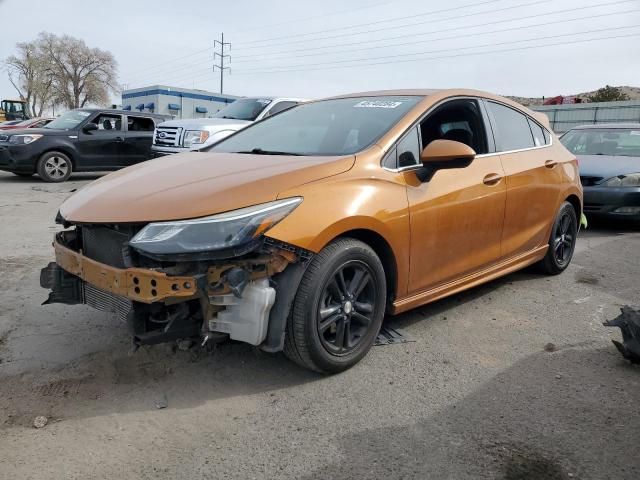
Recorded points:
(28, 74)
(81, 75)
(608, 94)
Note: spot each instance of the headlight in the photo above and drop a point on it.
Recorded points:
(195, 136)
(630, 180)
(23, 139)
(217, 232)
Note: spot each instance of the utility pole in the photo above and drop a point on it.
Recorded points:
(222, 56)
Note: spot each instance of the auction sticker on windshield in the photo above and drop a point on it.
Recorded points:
(376, 104)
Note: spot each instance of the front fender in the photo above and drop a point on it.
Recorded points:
(333, 208)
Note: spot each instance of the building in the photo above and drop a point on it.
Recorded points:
(179, 102)
(565, 117)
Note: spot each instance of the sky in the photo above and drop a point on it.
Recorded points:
(312, 49)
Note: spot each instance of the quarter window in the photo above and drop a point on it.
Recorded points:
(539, 137)
(279, 107)
(512, 128)
(409, 149)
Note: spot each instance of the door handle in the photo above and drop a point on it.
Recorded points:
(492, 179)
(550, 163)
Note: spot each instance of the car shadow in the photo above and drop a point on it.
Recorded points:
(559, 415)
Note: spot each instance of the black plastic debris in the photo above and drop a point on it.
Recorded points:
(629, 323)
(389, 335)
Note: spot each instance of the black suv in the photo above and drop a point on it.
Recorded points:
(82, 140)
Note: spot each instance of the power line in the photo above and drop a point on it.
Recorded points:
(315, 17)
(433, 12)
(437, 20)
(441, 56)
(492, 44)
(465, 35)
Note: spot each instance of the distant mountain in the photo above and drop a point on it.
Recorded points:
(632, 92)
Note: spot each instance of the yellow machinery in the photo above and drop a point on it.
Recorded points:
(13, 110)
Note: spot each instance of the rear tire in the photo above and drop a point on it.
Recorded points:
(338, 308)
(54, 167)
(562, 241)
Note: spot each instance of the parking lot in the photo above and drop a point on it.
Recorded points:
(516, 379)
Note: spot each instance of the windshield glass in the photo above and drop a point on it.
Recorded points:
(606, 141)
(330, 127)
(244, 109)
(67, 120)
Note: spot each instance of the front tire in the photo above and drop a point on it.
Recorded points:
(338, 309)
(562, 241)
(54, 167)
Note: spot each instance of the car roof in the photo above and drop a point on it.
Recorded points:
(437, 94)
(124, 112)
(607, 125)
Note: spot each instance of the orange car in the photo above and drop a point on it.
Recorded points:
(300, 232)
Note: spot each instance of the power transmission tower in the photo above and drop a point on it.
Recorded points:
(222, 56)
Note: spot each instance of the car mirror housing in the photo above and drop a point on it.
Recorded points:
(444, 154)
(90, 127)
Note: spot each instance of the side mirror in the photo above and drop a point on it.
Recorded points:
(90, 127)
(444, 154)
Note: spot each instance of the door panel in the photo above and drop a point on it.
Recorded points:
(532, 179)
(101, 149)
(138, 140)
(456, 222)
(532, 199)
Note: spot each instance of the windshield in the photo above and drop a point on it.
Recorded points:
(244, 109)
(341, 126)
(606, 141)
(68, 120)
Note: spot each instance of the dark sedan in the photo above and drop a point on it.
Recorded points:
(609, 156)
(82, 140)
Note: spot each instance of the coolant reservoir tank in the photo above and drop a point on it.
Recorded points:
(247, 319)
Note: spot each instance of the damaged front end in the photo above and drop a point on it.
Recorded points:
(167, 287)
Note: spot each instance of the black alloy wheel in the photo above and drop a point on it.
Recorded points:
(345, 313)
(562, 241)
(564, 238)
(338, 308)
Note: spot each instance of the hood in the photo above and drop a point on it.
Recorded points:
(607, 166)
(211, 124)
(40, 131)
(191, 185)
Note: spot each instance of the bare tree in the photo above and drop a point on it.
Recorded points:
(27, 71)
(81, 75)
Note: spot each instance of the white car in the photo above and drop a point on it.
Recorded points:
(176, 136)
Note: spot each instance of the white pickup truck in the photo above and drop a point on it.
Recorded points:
(176, 136)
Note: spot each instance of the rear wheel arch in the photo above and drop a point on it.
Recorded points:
(575, 202)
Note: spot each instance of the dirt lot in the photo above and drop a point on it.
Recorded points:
(476, 395)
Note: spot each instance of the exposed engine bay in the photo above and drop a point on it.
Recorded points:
(242, 293)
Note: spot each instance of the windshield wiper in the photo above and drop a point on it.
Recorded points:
(260, 151)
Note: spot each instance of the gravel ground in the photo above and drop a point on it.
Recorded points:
(475, 395)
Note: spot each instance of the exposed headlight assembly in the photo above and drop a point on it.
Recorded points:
(217, 232)
(23, 139)
(192, 137)
(630, 180)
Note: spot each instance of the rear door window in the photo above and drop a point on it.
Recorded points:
(511, 128)
(140, 124)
